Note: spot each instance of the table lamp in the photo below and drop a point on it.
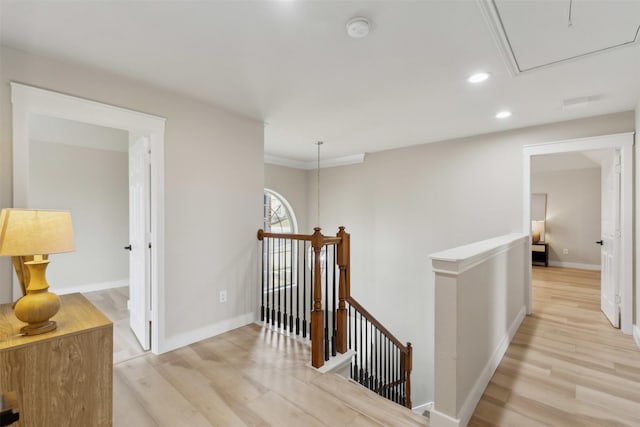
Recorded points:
(35, 233)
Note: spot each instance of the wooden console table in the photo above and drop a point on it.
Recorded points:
(61, 378)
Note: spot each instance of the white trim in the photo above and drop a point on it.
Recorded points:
(636, 335)
(578, 265)
(440, 419)
(420, 409)
(492, 18)
(458, 260)
(327, 163)
(31, 100)
(623, 142)
(470, 403)
(187, 338)
(338, 364)
(92, 287)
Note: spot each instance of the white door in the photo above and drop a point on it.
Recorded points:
(610, 238)
(139, 253)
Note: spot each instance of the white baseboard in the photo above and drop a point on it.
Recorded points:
(172, 343)
(91, 287)
(439, 419)
(636, 335)
(578, 265)
(428, 406)
(469, 405)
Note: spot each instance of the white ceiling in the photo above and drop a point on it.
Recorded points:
(292, 65)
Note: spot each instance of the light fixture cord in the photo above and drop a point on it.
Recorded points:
(319, 143)
(570, 5)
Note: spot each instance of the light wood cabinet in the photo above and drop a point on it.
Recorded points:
(65, 377)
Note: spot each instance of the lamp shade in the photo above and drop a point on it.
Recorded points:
(35, 232)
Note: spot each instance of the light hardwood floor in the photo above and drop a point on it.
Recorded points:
(566, 365)
(113, 303)
(251, 376)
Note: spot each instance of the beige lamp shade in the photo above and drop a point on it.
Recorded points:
(35, 232)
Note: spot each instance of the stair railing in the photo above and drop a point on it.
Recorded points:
(297, 271)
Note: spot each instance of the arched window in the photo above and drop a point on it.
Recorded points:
(278, 215)
(279, 218)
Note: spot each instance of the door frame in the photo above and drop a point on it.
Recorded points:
(31, 100)
(623, 142)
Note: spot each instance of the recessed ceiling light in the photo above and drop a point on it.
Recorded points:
(358, 27)
(503, 114)
(479, 77)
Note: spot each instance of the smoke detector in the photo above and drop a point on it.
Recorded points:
(358, 27)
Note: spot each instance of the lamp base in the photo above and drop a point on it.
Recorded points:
(38, 305)
(39, 328)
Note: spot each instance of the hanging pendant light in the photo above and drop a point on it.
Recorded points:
(323, 251)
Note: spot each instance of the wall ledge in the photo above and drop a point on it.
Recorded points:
(458, 260)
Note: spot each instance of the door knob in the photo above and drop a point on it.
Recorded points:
(128, 247)
(599, 242)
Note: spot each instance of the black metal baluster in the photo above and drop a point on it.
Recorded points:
(312, 273)
(356, 372)
(304, 289)
(262, 282)
(374, 353)
(297, 264)
(366, 358)
(401, 377)
(361, 376)
(279, 283)
(386, 394)
(327, 350)
(397, 365)
(291, 287)
(349, 332)
(335, 305)
(283, 272)
(397, 374)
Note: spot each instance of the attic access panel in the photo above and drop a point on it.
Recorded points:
(537, 33)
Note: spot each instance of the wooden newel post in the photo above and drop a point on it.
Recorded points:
(408, 367)
(341, 316)
(317, 315)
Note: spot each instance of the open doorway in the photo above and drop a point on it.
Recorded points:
(615, 153)
(29, 102)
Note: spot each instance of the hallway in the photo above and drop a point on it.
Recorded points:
(566, 365)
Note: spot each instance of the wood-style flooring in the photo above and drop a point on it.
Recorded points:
(566, 365)
(113, 303)
(251, 376)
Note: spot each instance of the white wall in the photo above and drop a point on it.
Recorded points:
(93, 185)
(573, 215)
(636, 330)
(480, 303)
(214, 176)
(402, 205)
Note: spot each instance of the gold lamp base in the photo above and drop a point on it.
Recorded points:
(38, 305)
(47, 326)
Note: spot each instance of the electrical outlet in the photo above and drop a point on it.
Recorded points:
(565, 251)
(223, 296)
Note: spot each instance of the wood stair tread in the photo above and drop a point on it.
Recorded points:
(367, 402)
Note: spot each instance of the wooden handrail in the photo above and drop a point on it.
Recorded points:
(342, 243)
(326, 240)
(355, 304)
